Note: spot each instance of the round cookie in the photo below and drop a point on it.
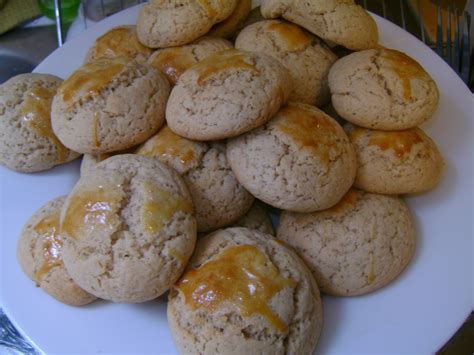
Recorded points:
(218, 198)
(300, 161)
(395, 162)
(234, 22)
(339, 21)
(227, 94)
(118, 41)
(129, 229)
(355, 247)
(245, 293)
(168, 23)
(39, 253)
(305, 56)
(256, 218)
(108, 105)
(175, 61)
(27, 142)
(382, 89)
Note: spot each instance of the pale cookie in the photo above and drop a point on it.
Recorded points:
(256, 218)
(218, 198)
(27, 142)
(175, 61)
(382, 89)
(129, 229)
(395, 162)
(118, 41)
(227, 94)
(229, 27)
(300, 161)
(108, 105)
(39, 253)
(306, 57)
(245, 293)
(168, 23)
(355, 247)
(339, 21)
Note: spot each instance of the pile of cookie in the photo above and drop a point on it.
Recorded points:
(182, 135)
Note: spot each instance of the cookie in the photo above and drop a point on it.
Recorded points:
(175, 61)
(39, 253)
(395, 162)
(305, 56)
(244, 293)
(382, 89)
(118, 41)
(227, 94)
(339, 21)
(300, 161)
(234, 22)
(356, 247)
(169, 23)
(218, 197)
(256, 218)
(89, 161)
(108, 105)
(129, 229)
(27, 141)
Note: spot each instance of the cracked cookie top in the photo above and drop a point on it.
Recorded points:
(300, 161)
(355, 247)
(339, 21)
(245, 293)
(382, 89)
(129, 227)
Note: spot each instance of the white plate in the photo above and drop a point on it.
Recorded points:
(416, 314)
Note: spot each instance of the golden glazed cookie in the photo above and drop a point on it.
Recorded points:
(306, 57)
(234, 22)
(382, 89)
(167, 23)
(339, 21)
(129, 229)
(118, 41)
(39, 253)
(245, 293)
(175, 61)
(395, 162)
(218, 198)
(108, 105)
(227, 94)
(358, 246)
(300, 161)
(256, 218)
(27, 141)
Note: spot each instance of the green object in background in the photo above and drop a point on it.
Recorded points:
(16, 12)
(68, 9)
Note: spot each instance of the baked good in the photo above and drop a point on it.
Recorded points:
(395, 162)
(118, 41)
(89, 161)
(234, 22)
(355, 247)
(305, 56)
(300, 161)
(39, 253)
(256, 218)
(108, 105)
(218, 198)
(339, 21)
(244, 293)
(227, 94)
(382, 89)
(167, 23)
(129, 229)
(174, 61)
(27, 142)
